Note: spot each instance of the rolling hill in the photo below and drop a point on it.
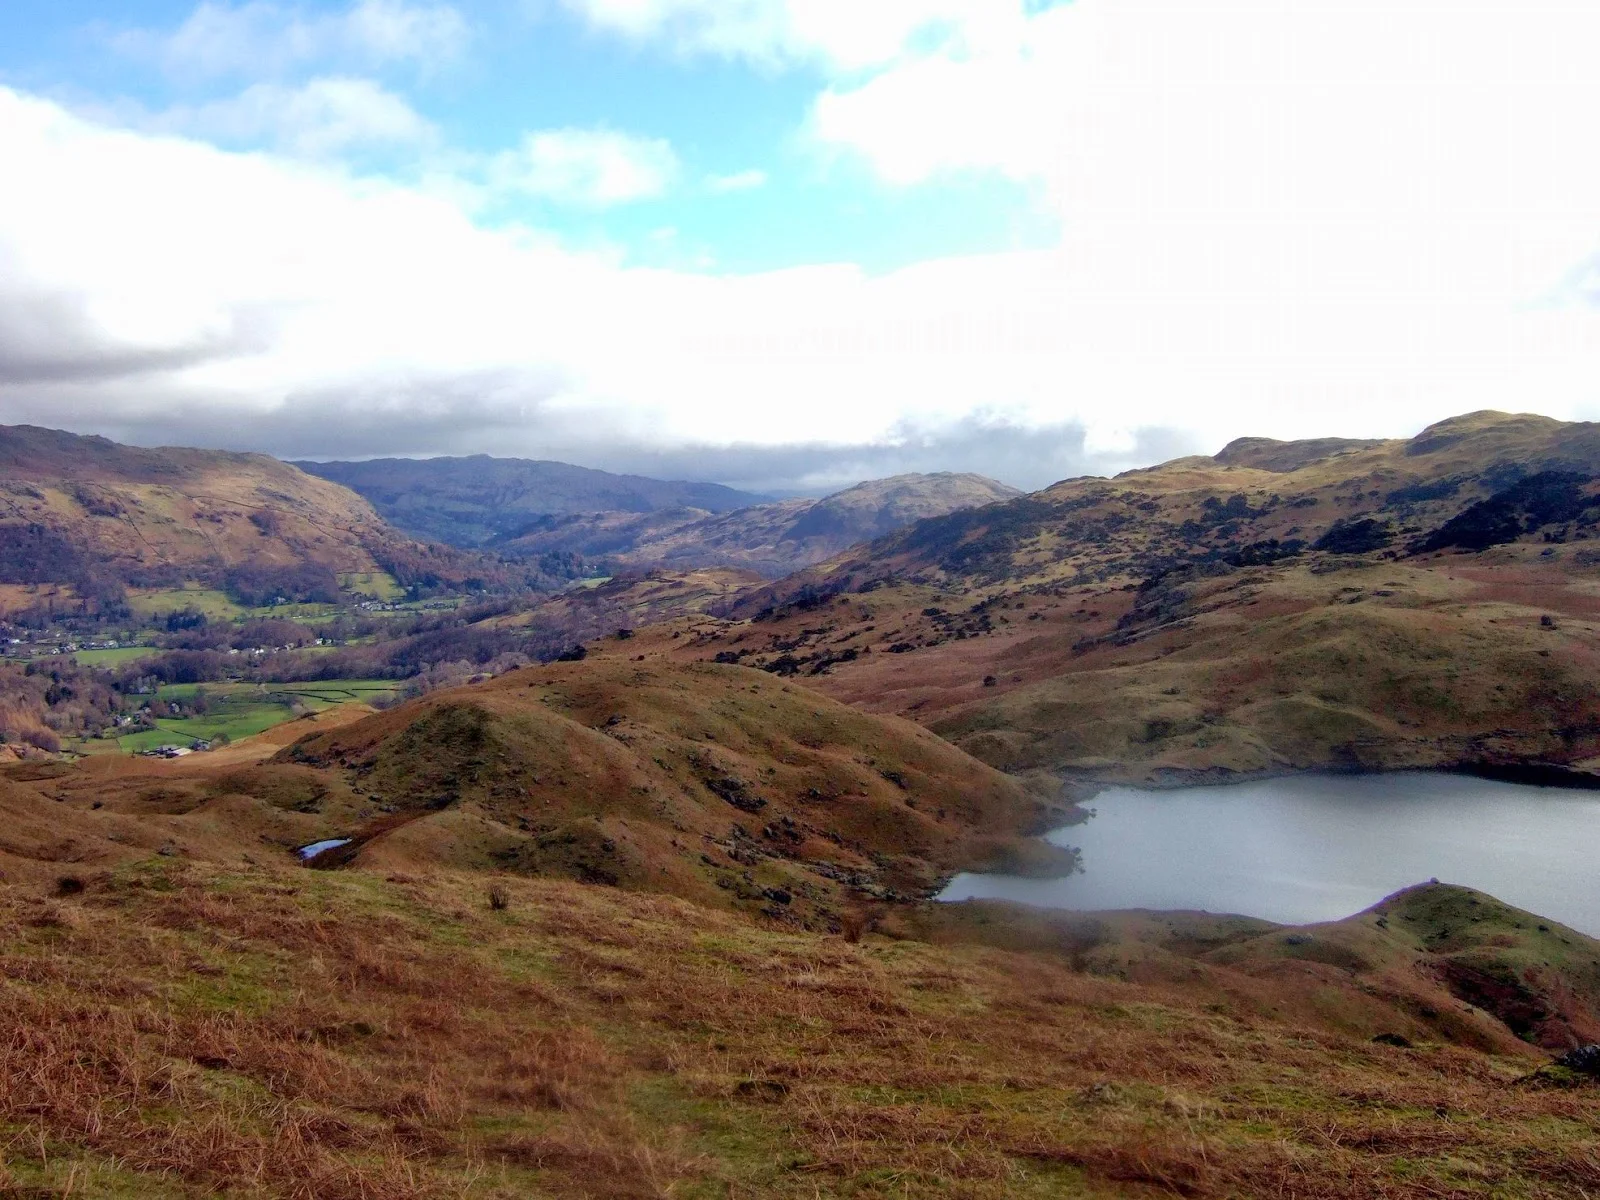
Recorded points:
(610, 930)
(1282, 606)
(97, 516)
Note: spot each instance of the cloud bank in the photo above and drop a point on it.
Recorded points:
(1288, 220)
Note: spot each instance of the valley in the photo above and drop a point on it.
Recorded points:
(629, 874)
(527, 509)
(772, 539)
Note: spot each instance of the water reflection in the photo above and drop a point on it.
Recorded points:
(1317, 848)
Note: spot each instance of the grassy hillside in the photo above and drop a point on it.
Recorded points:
(190, 1014)
(711, 782)
(144, 509)
(1279, 607)
(100, 517)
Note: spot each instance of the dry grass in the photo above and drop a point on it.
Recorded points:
(1118, 643)
(177, 1030)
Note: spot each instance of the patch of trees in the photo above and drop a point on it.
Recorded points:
(1264, 553)
(1546, 498)
(183, 619)
(1359, 535)
(258, 585)
(184, 666)
(806, 598)
(1421, 493)
(96, 503)
(1235, 508)
(32, 553)
(42, 703)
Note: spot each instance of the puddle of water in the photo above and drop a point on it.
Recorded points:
(316, 848)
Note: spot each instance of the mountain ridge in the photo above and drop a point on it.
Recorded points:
(476, 499)
(773, 538)
(1419, 602)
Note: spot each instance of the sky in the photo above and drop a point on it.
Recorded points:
(791, 244)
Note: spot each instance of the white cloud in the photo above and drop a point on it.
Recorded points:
(848, 34)
(738, 181)
(1426, 148)
(592, 168)
(1280, 219)
(263, 38)
(323, 118)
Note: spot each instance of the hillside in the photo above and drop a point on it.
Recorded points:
(91, 517)
(1427, 602)
(773, 539)
(617, 1005)
(713, 782)
(477, 500)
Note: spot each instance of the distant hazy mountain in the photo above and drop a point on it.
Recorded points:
(773, 538)
(473, 501)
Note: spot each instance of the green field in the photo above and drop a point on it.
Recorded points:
(240, 710)
(114, 658)
(235, 720)
(158, 602)
(378, 584)
(153, 603)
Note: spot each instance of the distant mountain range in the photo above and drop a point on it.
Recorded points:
(478, 500)
(99, 517)
(524, 508)
(773, 538)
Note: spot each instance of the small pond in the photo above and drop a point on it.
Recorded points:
(316, 848)
(1319, 848)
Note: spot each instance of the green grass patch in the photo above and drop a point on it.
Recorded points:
(380, 585)
(235, 721)
(158, 602)
(241, 710)
(118, 657)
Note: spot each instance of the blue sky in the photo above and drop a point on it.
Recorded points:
(749, 190)
(793, 243)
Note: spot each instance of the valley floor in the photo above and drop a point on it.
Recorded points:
(177, 1028)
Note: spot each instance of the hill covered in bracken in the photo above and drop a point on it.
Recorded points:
(656, 919)
(614, 929)
(1281, 606)
(97, 516)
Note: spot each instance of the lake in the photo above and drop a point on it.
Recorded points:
(1319, 848)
